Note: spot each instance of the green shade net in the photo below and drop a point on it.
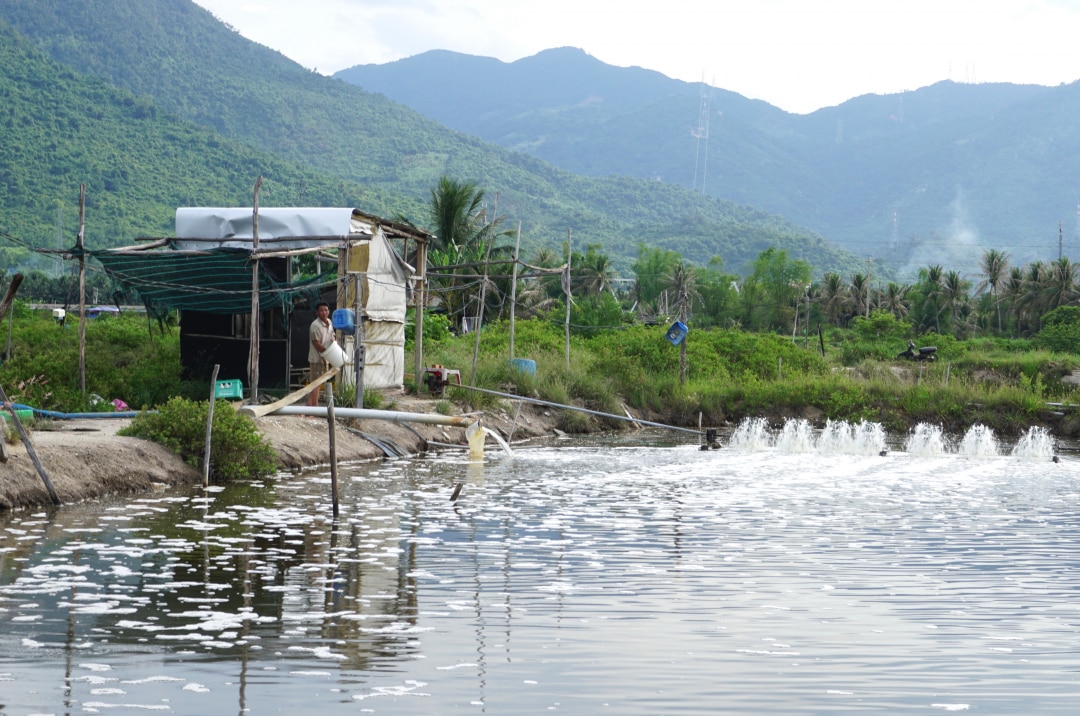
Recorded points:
(214, 281)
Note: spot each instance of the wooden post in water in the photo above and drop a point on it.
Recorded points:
(209, 426)
(253, 352)
(29, 447)
(333, 445)
(80, 245)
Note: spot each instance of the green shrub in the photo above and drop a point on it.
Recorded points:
(237, 450)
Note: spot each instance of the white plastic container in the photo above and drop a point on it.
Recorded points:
(334, 355)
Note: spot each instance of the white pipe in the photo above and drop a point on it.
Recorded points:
(393, 416)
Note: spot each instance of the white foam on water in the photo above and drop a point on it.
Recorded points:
(797, 436)
(1036, 444)
(752, 435)
(926, 440)
(980, 443)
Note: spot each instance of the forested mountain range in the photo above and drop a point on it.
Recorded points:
(156, 104)
(931, 175)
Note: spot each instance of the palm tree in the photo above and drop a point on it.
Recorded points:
(1060, 286)
(954, 296)
(930, 280)
(594, 273)
(858, 293)
(457, 214)
(994, 265)
(833, 297)
(894, 300)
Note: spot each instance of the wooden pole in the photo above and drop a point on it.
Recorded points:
(359, 351)
(29, 447)
(483, 300)
(566, 289)
(80, 244)
(421, 303)
(333, 445)
(253, 353)
(209, 426)
(513, 288)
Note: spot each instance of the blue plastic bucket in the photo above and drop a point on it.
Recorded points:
(524, 365)
(677, 332)
(344, 320)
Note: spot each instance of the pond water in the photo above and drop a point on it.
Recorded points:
(793, 571)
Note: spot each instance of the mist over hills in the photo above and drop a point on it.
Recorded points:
(932, 175)
(316, 139)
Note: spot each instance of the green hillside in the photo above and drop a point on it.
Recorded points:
(175, 59)
(137, 161)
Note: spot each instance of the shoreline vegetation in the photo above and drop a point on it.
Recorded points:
(1007, 385)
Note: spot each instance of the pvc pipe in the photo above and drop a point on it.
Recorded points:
(393, 416)
(73, 416)
(537, 401)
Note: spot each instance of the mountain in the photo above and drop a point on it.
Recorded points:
(61, 129)
(176, 59)
(930, 175)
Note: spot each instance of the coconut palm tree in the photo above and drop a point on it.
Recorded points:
(954, 296)
(833, 298)
(994, 265)
(1060, 285)
(894, 300)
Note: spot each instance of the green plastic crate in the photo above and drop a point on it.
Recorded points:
(227, 389)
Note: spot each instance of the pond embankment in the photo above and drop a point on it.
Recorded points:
(87, 460)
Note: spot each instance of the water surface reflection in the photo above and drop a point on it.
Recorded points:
(629, 575)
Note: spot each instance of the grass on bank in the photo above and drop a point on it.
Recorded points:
(732, 374)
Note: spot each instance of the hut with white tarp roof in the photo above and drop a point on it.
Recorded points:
(209, 269)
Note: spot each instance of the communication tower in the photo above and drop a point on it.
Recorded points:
(701, 155)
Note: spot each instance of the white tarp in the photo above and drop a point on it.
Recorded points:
(384, 355)
(281, 228)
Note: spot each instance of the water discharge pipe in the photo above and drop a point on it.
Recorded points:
(394, 416)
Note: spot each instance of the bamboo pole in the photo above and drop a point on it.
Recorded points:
(359, 351)
(80, 244)
(209, 426)
(253, 352)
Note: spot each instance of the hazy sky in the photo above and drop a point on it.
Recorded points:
(799, 55)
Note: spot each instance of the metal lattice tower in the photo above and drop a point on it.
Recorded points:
(702, 135)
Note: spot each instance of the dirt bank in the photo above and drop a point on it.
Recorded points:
(86, 459)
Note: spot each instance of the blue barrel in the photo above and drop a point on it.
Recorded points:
(343, 319)
(677, 332)
(524, 365)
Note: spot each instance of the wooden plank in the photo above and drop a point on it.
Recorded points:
(257, 411)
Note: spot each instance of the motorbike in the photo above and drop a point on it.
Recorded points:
(926, 353)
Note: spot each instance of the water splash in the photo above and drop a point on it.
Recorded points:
(1036, 444)
(926, 441)
(796, 437)
(498, 439)
(751, 435)
(979, 442)
(843, 438)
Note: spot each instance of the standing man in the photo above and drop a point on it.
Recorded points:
(321, 335)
